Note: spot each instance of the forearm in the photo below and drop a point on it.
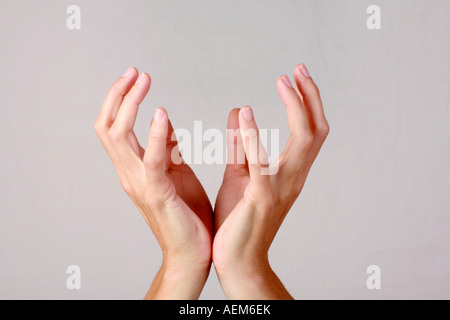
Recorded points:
(177, 284)
(256, 283)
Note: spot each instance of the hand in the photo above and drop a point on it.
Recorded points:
(169, 196)
(251, 205)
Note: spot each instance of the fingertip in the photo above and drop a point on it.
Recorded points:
(301, 72)
(159, 125)
(284, 91)
(129, 72)
(163, 110)
(305, 84)
(304, 70)
(134, 70)
(287, 82)
(283, 87)
(234, 111)
(233, 119)
(246, 113)
(159, 114)
(143, 78)
(280, 86)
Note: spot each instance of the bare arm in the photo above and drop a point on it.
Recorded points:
(253, 201)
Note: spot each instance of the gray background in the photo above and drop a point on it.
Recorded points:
(377, 194)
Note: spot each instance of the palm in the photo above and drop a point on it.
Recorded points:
(189, 205)
(188, 188)
(229, 201)
(191, 192)
(230, 193)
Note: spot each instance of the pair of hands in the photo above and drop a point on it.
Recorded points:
(250, 206)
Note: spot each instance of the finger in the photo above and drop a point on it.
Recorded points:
(115, 96)
(296, 112)
(254, 150)
(155, 154)
(126, 116)
(236, 160)
(312, 100)
(301, 137)
(173, 155)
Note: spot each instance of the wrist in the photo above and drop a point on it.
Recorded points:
(255, 281)
(241, 265)
(236, 274)
(186, 263)
(178, 282)
(181, 270)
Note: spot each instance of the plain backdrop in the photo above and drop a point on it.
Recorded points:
(378, 193)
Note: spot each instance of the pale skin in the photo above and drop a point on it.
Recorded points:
(250, 206)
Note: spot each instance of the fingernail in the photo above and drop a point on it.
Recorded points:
(128, 72)
(248, 114)
(304, 70)
(287, 81)
(141, 76)
(158, 115)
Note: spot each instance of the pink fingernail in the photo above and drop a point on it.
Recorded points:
(248, 114)
(141, 76)
(158, 115)
(287, 81)
(305, 71)
(128, 72)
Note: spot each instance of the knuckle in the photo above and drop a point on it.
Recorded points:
(263, 160)
(127, 188)
(156, 136)
(116, 136)
(151, 163)
(314, 90)
(323, 129)
(306, 140)
(117, 89)
(297, 186)
(99, 128)
(297, 189)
